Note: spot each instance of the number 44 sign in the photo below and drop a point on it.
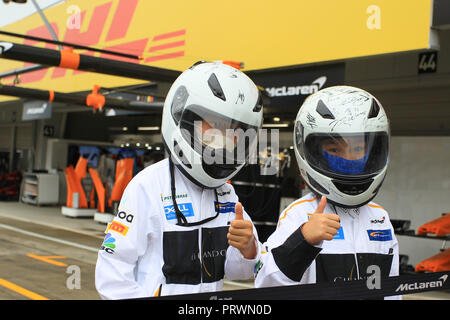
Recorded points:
(427, 62)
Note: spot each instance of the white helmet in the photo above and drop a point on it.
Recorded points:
(341, 138)
(222, 99)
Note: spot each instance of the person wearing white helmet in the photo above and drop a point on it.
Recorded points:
(180, 228)
(334, 233)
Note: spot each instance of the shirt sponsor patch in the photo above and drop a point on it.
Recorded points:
(108, 244)
(117, 227)
(339, 235)
(225, 207)
(380, 235)
(185, 208)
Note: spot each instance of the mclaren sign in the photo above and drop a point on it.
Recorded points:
(289, 88)
(405, 287)
(297, 90)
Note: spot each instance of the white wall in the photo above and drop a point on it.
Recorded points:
(417, 188)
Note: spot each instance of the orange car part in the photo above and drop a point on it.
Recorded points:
(440, 226)
(92, 198)
(100, 189)
(124, 174)
(81, 167)
(74, 185)
(436, 263)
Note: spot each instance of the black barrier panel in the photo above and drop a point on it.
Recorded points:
(441, 13)
(350, 290)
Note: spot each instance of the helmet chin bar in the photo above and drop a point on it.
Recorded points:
(353, 190)
(337, 204)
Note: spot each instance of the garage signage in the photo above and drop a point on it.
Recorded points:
(289, 88)
(428, 62)
(35, 110)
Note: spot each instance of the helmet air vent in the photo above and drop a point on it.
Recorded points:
(215, 87)
(323, 110)
(374, 109)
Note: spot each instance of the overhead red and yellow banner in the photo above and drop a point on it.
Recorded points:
(262, 34)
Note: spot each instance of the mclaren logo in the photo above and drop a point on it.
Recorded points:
(422, 285)
(297, 90)
(38, 110)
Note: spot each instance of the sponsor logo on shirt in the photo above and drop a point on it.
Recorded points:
(169, 197)
(125, 216)
(339, 235)
(185, 208)
(117, 227)
(380, 221)
(223, 193)
(108, 244)
(258, 267)
(380, 235)
(225, 207)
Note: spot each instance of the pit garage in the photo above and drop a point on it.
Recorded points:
(82, 89)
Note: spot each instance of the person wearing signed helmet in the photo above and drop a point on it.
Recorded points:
(341, 142)
(180, 227)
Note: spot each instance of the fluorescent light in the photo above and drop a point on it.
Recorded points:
(148, 128)
(275, 125)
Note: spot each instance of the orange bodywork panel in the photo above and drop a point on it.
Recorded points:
(440, 226)
(436, 263)
(100, 189)
(74, 185)
(124, 174)
(92, 198)
(81, 168)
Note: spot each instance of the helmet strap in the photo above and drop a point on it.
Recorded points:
(181, 219)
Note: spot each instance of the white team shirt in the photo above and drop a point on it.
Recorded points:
(146, 254)
(366, 237)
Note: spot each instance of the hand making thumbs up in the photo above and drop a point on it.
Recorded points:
(240, 234)
(321, 226)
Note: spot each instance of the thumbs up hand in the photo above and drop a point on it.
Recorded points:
(240, 234)
(321, 226)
